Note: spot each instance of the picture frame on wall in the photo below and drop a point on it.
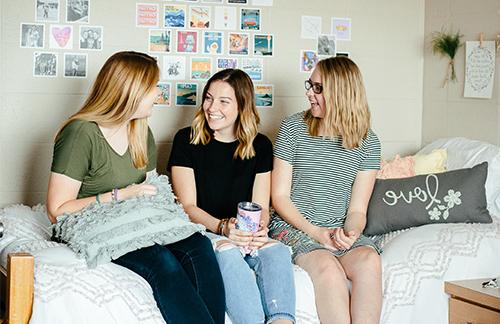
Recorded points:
(77, 11)
(45, 64)
(75, 65)
(250, 19)
(32, 35)
(47, 10)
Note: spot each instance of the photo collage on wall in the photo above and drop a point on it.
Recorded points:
(61, 25)
(193, 39)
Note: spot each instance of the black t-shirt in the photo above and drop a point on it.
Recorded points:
(221, 180)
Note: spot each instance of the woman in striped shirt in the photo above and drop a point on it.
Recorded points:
(325, 163)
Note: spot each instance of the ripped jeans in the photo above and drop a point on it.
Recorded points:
(259, 287)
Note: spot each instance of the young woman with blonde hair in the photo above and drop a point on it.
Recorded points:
(325, 163)
(216, 163)
(102, 153)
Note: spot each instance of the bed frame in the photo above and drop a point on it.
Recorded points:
(16, 288)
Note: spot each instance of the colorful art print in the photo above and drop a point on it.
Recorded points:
(174, 67)
(253, 67)
(238, 43)
(174, 16)
(47, 10)
(199, 17)
(77, 11)
(264, 95)
(91, 38)
(226, 63)
(201, 68)
(187, 41)
(213, 42)
(250, 19)
(242, 2)
(165, 97)
(263, 44)
(160, 40)
(32, 35)
(341, 28)
(225, 17)
(308, 60)
(147, 15)
(345, 54)
(61, 37)
(186, 94)
(326, 45)
(45, 64)
(75, 65)
(213, 1)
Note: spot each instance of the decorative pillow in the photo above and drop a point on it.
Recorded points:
(103, 232)
(434, 162)
(450, 197)
(399, 167)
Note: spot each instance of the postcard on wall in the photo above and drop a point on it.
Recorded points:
(75, 65)
(213, 1)
(174, 16)
(61, 37)
(47, 11)
(326, 45)
(147, 15)
(199, 17)
(240, 2)
(191, 1)
(174, 67)
(91, 38)
(77, 11)
(263, 45)
(186, 94)
(308, 60)
(160, 40)
(250, 19)
(226, 63)
(341, 28)
(254, 67)
(213, 42)
(201, 68)
(345, 54)
(32, 35)
(479, 69)
(225, 17)
(262, 3)
(311, 27)
(238, 43)
(157, 59)
(45, 64)
(264, 95)
(165, 97)
(187, 41)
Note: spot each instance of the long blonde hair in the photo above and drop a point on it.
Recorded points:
(121, 84)
(247, 120)
(347, 114)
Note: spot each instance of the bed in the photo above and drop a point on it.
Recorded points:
(416, 263)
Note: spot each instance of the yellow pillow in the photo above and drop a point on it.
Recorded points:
(434, 162)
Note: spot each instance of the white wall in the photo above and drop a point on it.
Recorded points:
(387, 43)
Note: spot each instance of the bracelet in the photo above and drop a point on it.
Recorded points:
(114, 194)
(222, 225)
(97, 199)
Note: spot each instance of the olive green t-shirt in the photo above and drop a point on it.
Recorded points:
(82, 153)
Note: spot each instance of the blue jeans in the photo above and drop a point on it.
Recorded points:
(185, 279)
(263, 295)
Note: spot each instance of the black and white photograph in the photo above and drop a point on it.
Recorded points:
(75, 65)
(32, 35)
(77, 11)
(47, 10)
(91, 37)
(44, 64)
(326, 45)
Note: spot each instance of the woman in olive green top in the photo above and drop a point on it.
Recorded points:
(103, 153)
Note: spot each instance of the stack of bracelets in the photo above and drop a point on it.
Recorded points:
(221, 228)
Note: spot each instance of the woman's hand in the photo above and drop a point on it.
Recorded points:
(260, 237)
(323, 235)
(238, 237)
(343, 240)
(137, 190)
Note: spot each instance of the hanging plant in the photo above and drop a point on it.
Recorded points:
(447, 44)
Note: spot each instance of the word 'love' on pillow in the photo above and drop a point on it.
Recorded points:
(456, 196)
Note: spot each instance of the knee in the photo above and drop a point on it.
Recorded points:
(276, 250)
(329, 271)
(370, 259)
(166, 265)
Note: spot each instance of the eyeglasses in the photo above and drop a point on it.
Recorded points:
(316, 87)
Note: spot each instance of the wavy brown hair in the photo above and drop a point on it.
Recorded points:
(121, 84)
(347, 114)
(247, 120)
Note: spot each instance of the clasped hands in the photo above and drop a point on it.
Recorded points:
(247, 239)
(336, 238)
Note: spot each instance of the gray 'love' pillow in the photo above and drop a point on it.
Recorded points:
(456, 196)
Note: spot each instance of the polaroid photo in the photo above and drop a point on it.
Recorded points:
(238, 43)
(199, 17)
(91, 38)
(213, 42)
(165, 98)
(254, 67)
(47, 10)
(174, 67)
(201, 68)
(238, 2)
(32, 35)
(250, 19)
(262, 3)
(345, 54)
(212, 1)
(45, 64)
(264, 95)
(341, 28)
(174, 16)
(75, 65)
(263, 45)
(226, 63)
(61, 36)
(326, 45)
(225, 18)
(160, 41)
(308, 60)
(186, 94)
(77, 11)
(147, 15)
(311, 27)
(187, 41)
